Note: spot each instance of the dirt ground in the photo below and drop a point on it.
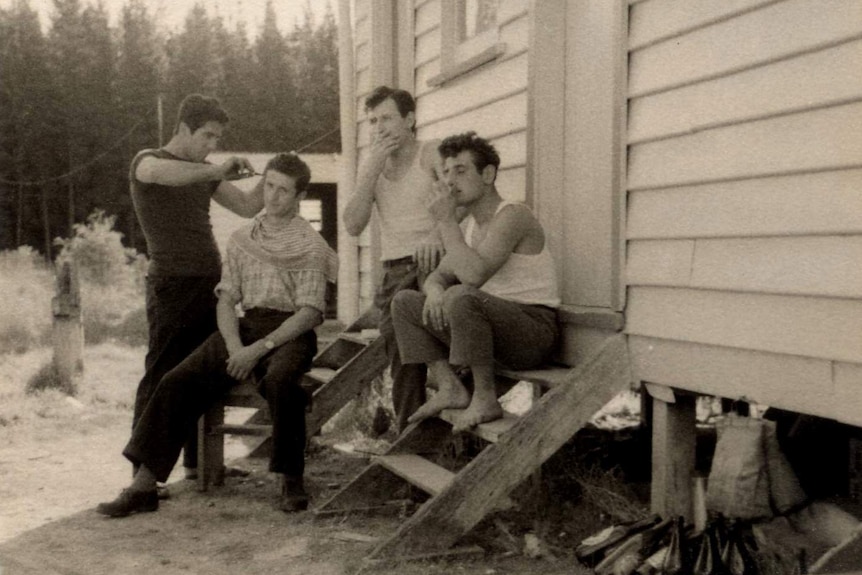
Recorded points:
(55, 467)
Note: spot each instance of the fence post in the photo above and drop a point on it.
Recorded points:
(68, 331)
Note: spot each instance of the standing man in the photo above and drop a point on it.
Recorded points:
(491, 299)
(276, 269)
(398, 178)
(171, 188)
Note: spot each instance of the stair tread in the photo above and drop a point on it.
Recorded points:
(417, 470)
(548, 376)
(358, 337)
(244, 429)
(321, 374)
(490, 431)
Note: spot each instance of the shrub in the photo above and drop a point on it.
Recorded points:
(27, 285)
(111, 279)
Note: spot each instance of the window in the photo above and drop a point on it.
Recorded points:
(470, 36)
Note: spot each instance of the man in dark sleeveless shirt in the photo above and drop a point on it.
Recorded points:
(171, 188)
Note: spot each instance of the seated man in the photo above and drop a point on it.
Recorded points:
(492, 297)
(276, 269)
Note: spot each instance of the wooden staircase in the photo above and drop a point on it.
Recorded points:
(517, 448)
(339, 373)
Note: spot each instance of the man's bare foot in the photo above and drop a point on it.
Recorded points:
(451, 397)
(479, 411)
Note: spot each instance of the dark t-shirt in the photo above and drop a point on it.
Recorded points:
(176, 223)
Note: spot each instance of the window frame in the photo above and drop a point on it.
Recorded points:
(460, 57)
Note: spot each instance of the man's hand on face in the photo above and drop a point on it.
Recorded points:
(235, 168)
(427, 256)
(382, 147)
(442, 207)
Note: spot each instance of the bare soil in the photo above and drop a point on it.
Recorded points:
(55, 467)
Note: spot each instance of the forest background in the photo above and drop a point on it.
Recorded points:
(81, 97)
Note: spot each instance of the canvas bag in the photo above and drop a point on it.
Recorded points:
(738, 485)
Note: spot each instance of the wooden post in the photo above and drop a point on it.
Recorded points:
(673, 454)
(68, 332)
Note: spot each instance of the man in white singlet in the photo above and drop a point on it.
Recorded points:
(491, 300)
(398, 178)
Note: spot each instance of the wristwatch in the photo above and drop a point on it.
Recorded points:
(269, 344)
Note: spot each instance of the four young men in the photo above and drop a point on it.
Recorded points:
(468, 294)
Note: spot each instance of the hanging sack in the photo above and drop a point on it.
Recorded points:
(738, 484)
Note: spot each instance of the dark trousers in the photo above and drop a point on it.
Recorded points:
(188, 390)
(408, 381)
(180, 316)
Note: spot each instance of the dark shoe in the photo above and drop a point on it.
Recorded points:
(130, 502)
(163, 492)
(293, 495)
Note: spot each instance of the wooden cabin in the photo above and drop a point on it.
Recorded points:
(697, 164)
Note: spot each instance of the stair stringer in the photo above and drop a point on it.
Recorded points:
(499, 468)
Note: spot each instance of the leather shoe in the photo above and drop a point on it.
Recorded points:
(293, 496)
(130, 502)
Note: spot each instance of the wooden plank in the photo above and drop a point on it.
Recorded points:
(659, 262)
(595, 317)
(471, 90)
(427, 17)
(791, 382)
(352, 378)
(825, 266)
(806, 326)
(427, 46)
(548, 377)
(546, 124)
(376, 484)
(504, 116)
(251, 429)
(673, 456)
(441, 521)
(819, 203)
(847, 399)
(777, 31)
(595, 79)
(321, 374)
(338, 353)
(825, 139)
(490, 431)
(816, 80)
(418, 471)
(821, 266)
(653, 21)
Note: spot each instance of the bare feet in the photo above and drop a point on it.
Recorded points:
(450, 397)
(479, 411)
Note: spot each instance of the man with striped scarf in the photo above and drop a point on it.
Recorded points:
(276, 271)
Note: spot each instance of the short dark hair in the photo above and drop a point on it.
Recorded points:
(483, 153)
(403, 99)
(196, 110)
(289, 164)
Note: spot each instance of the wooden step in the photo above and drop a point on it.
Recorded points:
(548, 377)
(255, 429)
(418, 471)
(317, 376)
(490, 431)
(358, 337)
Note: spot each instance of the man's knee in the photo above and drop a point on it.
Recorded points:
(407, 303)
(459, 298)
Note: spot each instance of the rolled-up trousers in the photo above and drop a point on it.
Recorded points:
(188, 390)
(483, 330)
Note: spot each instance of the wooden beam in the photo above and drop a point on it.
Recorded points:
(476, 490)
(673, 456)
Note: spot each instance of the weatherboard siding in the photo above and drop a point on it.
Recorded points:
(744, 207)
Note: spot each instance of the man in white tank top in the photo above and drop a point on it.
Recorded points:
(491, 300)
(398, 179)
